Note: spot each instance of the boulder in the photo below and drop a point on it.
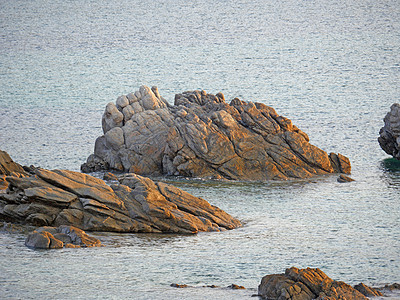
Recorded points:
(132, 204)
(307, 284)
(203, 136)
(389, 134)
(63, 236)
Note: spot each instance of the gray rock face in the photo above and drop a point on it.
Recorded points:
(389, 135)
(307, 284)
(203, 136)
(135, 204)
(63, 236)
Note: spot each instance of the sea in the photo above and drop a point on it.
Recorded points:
(332, 67)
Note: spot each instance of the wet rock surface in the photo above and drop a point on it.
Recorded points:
(389, 134)
(203, 136)
(307, 284)
(134, 204)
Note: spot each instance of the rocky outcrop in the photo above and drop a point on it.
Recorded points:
(203, 136)
(135, 204)
(389, 135)
(60, 237)
(307, 284)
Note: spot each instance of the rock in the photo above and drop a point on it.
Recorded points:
(367, 291)
(389, 134)
(203, 136)
(343, 178)
(3, 182)
(305, 284)
(63, 236)
(122, 102)
(279, 286)
(110, 177)
(132, 204)
(94, 164)
(236, 287)
(180, 286)
(112, 117)
(8, 166)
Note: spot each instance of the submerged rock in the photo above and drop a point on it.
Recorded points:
(307, 284)
(203, 136)
(134, 204)
(389, 135)
(343, 178)
(60, 237)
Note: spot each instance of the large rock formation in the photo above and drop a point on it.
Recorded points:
(389, 135)
(136, 204)
(307, 284)
(203, 136)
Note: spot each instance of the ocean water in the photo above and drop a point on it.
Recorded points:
(332, 67)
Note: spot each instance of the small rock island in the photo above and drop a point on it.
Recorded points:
(203, 136)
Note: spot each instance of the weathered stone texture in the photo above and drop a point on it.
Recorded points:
(135, 204)
(203, 136)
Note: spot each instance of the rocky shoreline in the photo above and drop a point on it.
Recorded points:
(202, 136)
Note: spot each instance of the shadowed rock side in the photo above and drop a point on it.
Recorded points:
(136, 204)
(307, 284)
(203, 136)
(389, 135)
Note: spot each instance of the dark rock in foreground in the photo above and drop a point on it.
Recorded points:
(389, 135)
(135, 204)
(60, 237)
(203, 136)
(307, 284)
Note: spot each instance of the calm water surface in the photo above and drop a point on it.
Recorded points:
(331, 67)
